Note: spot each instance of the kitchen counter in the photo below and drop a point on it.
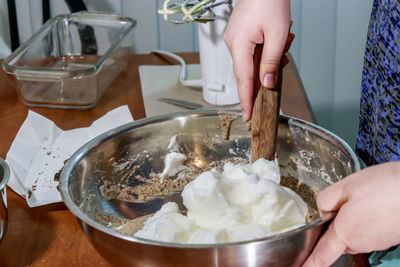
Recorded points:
(50, 235)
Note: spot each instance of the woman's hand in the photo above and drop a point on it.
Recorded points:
(255, 22)
(368, 218)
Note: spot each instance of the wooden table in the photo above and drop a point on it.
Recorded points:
(50, 235)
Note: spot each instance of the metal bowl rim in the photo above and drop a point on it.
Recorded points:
(6, 175)
(79, 154)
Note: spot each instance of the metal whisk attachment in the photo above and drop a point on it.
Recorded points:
(195, 10)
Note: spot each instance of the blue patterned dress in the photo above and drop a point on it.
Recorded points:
(379, 129)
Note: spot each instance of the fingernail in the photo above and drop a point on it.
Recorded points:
(269, 80)
(245, 116)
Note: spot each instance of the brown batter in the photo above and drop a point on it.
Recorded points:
(226, 122)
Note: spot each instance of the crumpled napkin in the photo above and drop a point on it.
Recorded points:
(40, 148)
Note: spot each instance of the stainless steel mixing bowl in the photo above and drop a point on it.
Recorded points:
(4, 177)
(305, 151)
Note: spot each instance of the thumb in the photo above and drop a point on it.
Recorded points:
(328, 249)
(332, 198)
(270, 61)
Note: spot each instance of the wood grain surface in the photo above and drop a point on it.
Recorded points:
(265, 114)
(51, 235)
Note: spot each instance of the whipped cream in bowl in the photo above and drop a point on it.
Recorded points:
(243, 202)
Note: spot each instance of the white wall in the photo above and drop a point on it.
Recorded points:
(328, 48)
(329, 56)
(352, 26)
(316, 53)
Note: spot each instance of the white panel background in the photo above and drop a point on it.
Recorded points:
(328, 48)
(350, 45)
(147, 26)
(317, 50)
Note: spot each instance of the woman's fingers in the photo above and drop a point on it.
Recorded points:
(242, 56)
(328, 249)
(274, 45)
(368, 206)
(255, 22)
(332, 198)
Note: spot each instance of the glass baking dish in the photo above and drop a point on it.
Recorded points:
(71, 60)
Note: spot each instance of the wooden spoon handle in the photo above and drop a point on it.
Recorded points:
(265, 115)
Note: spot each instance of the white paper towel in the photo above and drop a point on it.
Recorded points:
(40, 149)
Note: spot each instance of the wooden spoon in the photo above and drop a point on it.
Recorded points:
(265, 115)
